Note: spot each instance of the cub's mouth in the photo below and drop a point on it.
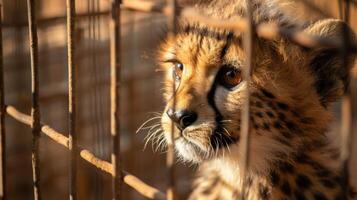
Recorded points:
(199, 141)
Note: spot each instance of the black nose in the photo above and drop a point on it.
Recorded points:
(182, 118)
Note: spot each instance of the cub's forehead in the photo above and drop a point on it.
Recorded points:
(193, 44)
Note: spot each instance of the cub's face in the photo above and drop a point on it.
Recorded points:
(204, 87)
(204, 91)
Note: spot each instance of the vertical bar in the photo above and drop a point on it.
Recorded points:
(71, 10)
(248, 48)
(346, 111)
(35, 110)
(170, 156)
(2, 120)
(114, 97)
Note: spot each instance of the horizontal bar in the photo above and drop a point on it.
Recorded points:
(134, 182)
(26, 119)
(55, 19)
(266, 30)
(145, 6)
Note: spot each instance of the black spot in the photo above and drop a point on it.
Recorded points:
(277, 125)
(267, 94)
(259, 114)
(263, 191)
(291, 126)
(303, 158)
(285, 188)
(303, 182)
(328, 183)
(286, 134)
(321, 171)
(266, 126)
(306, 120)
(286, 167)
(281, 116)
(256, 126)
(296, 114)
(283, 106)
(259, 104)
(270, 114)
(299, 195)
(274, 178)
(319, 196)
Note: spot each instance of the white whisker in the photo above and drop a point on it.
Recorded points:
(146, 122)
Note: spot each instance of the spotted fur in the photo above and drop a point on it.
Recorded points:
(291, 88)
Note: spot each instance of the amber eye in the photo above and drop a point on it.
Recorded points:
(177, 72)
(229, 77)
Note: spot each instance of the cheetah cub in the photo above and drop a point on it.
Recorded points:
(292, 89)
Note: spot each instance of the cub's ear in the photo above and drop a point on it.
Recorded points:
(330, 70)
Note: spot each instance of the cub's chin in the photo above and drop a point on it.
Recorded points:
(190, 152)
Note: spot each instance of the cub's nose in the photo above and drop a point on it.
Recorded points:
(182, 118)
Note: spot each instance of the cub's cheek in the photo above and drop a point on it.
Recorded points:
(230, 102)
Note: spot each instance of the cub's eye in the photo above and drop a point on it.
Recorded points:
(229, 76)
(178, 69)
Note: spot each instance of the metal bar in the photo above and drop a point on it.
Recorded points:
(35, 110)
(245, 142)
(114, 98)
(346, 111)
(60, 138)
(170, 156)
(146, 6)
(72, 135)
(2, 120)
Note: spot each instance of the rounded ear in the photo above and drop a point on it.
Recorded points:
(331, 71)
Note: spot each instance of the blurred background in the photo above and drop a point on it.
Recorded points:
(140, 95)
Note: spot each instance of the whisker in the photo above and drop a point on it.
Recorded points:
(151, 136)
(147, 121)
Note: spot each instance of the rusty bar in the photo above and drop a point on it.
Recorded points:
(132, 181)
(2, 120)
(35, 109)
(146, 6)
(114, 97)
(346, 111)
(245, 142)
(170, 155)
(72, 135)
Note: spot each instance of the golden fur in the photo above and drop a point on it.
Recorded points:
(292, 89)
